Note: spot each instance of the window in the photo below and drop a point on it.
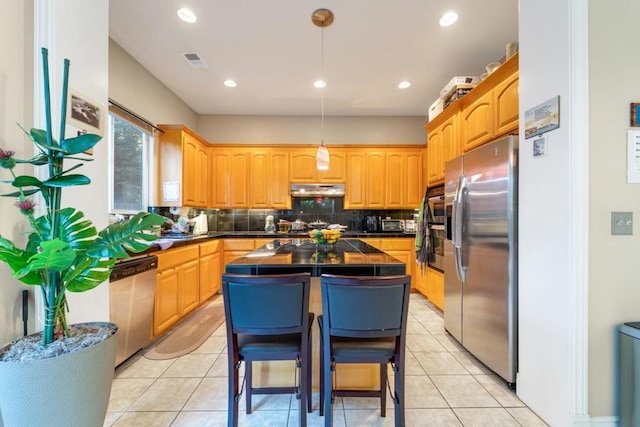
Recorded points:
(129, 166)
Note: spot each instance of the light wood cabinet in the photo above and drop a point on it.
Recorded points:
(355, 193)
(435, 288)
(477, 118)
(245, 178)
(183, 158)
(303, 166)
(375, 180)
(177, 286)
(404, 250)
(403, 185)
(269, 180)
(488, 112)
(210, 269)
(505, 99)
(235, 248)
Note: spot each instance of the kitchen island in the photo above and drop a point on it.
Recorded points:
(350, 257)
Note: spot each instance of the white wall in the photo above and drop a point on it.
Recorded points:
(233, 129)
(132, 86)
(552, 209)
(15, 107)
(614, 293)
(78, 30)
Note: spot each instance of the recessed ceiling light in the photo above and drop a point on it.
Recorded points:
(187, 15)
(448, 19)
(404, 84)
(319, 84)
(230, 83)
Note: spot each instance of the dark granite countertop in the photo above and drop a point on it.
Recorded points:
(347, 257)
(180, 241)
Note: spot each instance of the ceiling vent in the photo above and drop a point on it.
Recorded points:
(194, 59)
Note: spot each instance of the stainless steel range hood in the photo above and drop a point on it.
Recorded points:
(317, 190)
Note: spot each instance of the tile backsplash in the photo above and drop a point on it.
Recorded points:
(326, 209)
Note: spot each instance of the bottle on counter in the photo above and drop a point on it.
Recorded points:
(269, 225)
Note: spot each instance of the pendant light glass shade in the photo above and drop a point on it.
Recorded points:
(322, 158)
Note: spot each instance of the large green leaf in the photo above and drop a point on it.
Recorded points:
(39, 136)
(17, 260)
(80, 143)
(75, 229)
(87, 273)
(67, 181)
(24, 192)
(27, 181)
(55, 255)
(117, 238)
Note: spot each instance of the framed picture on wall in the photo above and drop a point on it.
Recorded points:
(85, 114)
(635, 114)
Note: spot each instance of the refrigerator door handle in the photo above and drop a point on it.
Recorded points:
(456, 225)
(459, 249)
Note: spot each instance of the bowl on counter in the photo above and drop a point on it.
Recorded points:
(324, 236)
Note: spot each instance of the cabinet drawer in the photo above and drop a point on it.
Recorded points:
(175, 257)
(239, 245)
(396, 244)
(209, 247)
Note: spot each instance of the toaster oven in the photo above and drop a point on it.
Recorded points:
(396, 225)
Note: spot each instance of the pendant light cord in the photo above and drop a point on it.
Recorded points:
(323, 89)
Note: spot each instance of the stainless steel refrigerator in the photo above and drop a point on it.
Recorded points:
(480, 259)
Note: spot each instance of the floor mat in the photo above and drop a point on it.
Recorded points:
(189, 333)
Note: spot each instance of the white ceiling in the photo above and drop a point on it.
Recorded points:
(273, 50)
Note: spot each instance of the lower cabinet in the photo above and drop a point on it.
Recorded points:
(210, 269)
(435, 288)
(401, 248)
(177, 286)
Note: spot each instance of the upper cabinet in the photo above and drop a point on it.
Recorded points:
(303, 166)
(380, 178)
(183, 168)
(489, 111)
(256, 177)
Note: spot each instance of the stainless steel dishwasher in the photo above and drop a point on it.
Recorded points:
(131, 296)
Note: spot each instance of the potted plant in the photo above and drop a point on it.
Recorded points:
(64, 252)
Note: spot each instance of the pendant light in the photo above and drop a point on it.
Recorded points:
(322, 18)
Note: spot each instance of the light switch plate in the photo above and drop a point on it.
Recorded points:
(621, 223)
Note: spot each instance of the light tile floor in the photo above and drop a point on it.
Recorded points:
(445, 386)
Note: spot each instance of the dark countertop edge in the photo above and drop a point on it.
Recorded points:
(178, 243)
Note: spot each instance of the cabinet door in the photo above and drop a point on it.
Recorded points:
(375, 179)
(395, 180)
(506, 105)
(210, 280)
(405, 256)
(434, 157)
(356, 180)
(260, 179)
(166, 309)
(303, 166)
(435, 281)
(279, 183)
(202, 176)
(189, 282)
(477, 123)
(190, 181)
(414, 189)
(239, 174)
(220, 179)
(450, 141)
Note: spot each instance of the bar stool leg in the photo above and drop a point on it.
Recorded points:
(248, 384)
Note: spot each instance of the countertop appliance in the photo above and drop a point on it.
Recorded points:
(480, 256)
(371, 224)
(395, 225)
(131, 293)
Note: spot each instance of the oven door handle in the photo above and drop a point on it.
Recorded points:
(437, 227)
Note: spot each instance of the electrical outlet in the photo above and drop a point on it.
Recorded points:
(621, 223)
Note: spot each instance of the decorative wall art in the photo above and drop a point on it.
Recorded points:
(542, 118)
(635, 115)
(85, 114)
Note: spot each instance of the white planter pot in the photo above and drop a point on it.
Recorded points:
(68, 390)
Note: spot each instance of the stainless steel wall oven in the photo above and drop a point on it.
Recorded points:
(436, 223)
